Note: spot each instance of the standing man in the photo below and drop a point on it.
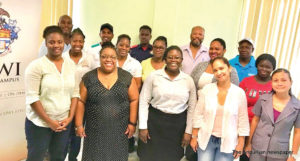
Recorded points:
(66, 25)
(106, 35)
(244, 63)
(142, 51)
(194, 52)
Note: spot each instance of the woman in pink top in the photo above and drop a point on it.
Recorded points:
(276, 114)
(255, 86)
(220, 121)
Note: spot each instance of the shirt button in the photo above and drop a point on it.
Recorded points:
(269, 135)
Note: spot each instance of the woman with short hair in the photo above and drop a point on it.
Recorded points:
(167, 101)
(109, 103)
(156, 62)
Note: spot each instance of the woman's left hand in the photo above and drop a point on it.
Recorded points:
(64, 123)
(186, 139)
(130, 130)
(238, 151)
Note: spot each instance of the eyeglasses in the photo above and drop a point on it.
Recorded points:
(159, 47)
(174, 57)
(108, 57)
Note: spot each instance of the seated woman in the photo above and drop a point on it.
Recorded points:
(156, 62)
(167, 98)
(257, 85)
(126, 62)
(109, 102)
(220, 121)
(51, 98)
(276, 114)
(202, 74)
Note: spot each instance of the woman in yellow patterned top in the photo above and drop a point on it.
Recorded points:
(156, 62)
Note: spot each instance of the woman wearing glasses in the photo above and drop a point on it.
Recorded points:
(168, 96)
(156, 62)
(109, 101)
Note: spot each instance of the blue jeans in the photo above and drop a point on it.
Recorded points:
(41, 139)
(212, 151)
(74, 144)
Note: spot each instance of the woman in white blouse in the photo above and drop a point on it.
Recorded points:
(167, 98)
(51, 98)
(84, 62)
(220, 121)
(126, 62)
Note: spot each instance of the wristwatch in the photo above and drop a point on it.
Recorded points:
(76, 128)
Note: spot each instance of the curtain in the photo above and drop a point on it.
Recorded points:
(52, 10)
(274, 26)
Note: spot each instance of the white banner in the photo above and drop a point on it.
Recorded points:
(19, 43)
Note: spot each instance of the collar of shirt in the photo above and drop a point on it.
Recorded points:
(293, 102)
(202, 49)
(163, 73)
(236, 61)
(127, 61)
(149, 47)
(67, 55)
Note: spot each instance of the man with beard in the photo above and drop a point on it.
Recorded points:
(66, 25)
(142, 51)
(244, 63)
(106, 35)
(194, 52)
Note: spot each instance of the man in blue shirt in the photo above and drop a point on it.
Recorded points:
(244, 63)
(143, 50)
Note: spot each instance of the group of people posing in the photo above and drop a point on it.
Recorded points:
(185, 100)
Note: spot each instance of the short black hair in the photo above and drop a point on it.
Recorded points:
(161, 38)
(107, 26)
(173, 47)
(107, 45)
(77, 31)
(51, 29)
(268, 57)
(123, 36)
(221, 41)
(146, 27)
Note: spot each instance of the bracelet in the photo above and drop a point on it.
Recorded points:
(131, 123)
(76, 128)
(194, 136)
(82, 101)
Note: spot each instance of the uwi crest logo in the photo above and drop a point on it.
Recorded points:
(8, 32)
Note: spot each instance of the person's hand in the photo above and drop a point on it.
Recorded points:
(56, 126)
(64, 123)
(130, 130)
(194, 144)
(238, 151)
(248, 149)
(185, 140)
(144, 135)
(80, 131)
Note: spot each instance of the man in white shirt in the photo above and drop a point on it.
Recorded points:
(66, 25)
(106, 35)
(194, 52)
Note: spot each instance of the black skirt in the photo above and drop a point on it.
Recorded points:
(166, 132)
